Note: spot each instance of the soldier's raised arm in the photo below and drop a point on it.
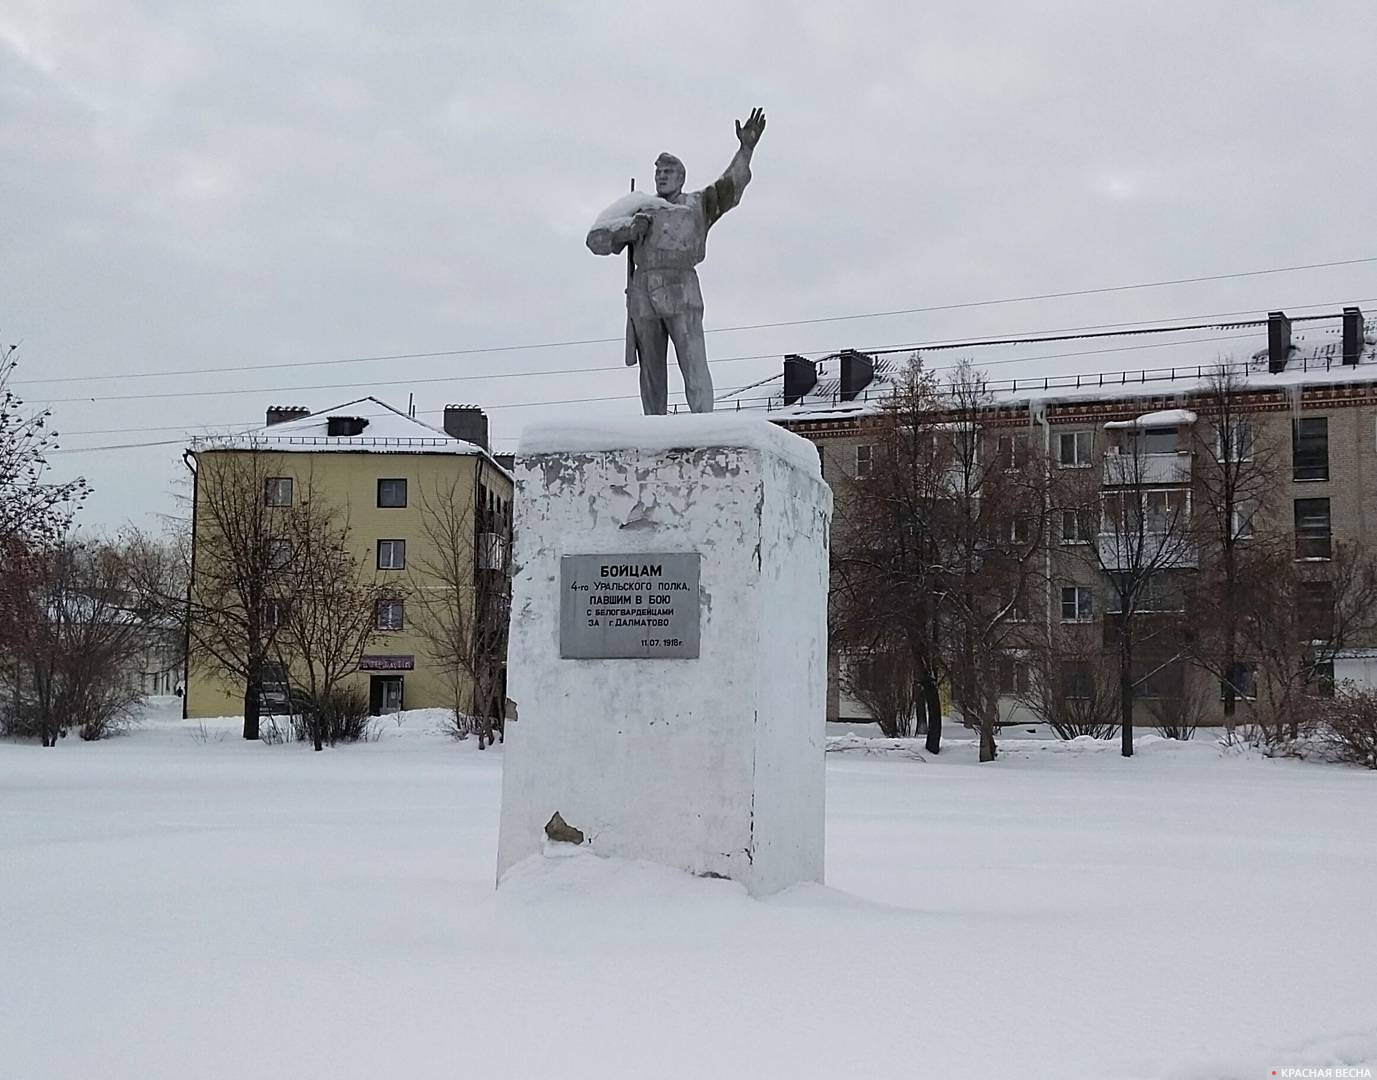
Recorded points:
(725, 192)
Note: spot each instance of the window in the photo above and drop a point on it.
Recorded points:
(1156, 592)
(278, 552)
(864, 454)
(1020, 528)
(1320, 678)
(1012, 675)
(1157, 510)
(1019, 611)
(1244, 681)
(1012, 450)
(277, 491)
(274, 682)
(1312, 528)
(1153, 440)
(1155, 679)
(1315, 610)
(1074, 449)
(391, 554)
(276, 612)
(1235, 440)
(1243, 514)
(1077, 604)
(1077, 680)
(1076, 526)
(389, 615)
(391, 493)
(1166, 509)
(1310, 448)
(1159, 592)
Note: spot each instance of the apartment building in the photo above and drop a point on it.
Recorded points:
(384, 471)
(1307, 386)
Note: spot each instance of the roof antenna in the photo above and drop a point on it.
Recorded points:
(411, 406)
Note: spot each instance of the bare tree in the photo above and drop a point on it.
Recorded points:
(239, 565)
(1145, 540)
(1237, 473)
(34, 512)
(886, 560)
(884, 684)
(1073, 686)
(328, 612)
(990, 523)
(465, 600)
(84, 631)
(1292, 630)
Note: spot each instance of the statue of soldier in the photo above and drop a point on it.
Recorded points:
(668, 238)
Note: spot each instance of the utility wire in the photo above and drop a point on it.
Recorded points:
(932, 308)
(915, 346)
(931, 346)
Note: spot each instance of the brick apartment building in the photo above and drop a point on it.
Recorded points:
(1307, 386)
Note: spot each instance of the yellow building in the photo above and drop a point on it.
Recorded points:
(386, 473)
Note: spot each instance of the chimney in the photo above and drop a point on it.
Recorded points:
(467, 422)
(280, 414)
(1353, 335)
(800, 376)
(345, 426)
(857, 370)
(1278, 341)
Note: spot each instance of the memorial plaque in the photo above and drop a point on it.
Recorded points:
(629, 607)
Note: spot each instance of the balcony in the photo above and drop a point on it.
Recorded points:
(1158, 550)
(492, 551)
(1122, 470)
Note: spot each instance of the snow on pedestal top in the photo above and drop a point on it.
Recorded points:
(657, 434)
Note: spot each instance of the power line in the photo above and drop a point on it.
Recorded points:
(929, 309)
(915, 346)
(1104, 330)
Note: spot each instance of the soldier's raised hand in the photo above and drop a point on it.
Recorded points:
(749, 133)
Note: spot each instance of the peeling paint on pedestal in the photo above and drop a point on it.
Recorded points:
(713, 765)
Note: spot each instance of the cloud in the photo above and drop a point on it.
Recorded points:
(208, 186)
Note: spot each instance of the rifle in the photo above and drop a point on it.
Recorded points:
(630, 328)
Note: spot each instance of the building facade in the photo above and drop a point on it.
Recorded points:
(428, 512)
(1305, 387)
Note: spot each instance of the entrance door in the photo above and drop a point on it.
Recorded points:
(384, 694)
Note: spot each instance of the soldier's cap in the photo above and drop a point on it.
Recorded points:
(669, 159)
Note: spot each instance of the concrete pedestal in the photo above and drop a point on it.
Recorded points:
(714, 763)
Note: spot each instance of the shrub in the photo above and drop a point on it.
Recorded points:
(1348, 726)
(337, 716)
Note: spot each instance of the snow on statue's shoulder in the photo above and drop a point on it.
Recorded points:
(660, 434)
(624, 209)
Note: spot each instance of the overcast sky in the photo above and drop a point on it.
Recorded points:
(214, 186)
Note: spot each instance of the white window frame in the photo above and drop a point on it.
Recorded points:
(1238, 425)
(1082, 602)
(391, 604)
(276, 611)
(1244, 517)
(1080, 461)
(272, 488)
(277, 552)
(394, 546)
(1079, 515)
(865, 459)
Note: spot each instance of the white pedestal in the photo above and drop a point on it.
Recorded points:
(713, 765)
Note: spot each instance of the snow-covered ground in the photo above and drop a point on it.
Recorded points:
(180, 904)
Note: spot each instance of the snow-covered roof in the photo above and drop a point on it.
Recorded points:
(1161, 418)
(1088, 367)
(387, 431)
